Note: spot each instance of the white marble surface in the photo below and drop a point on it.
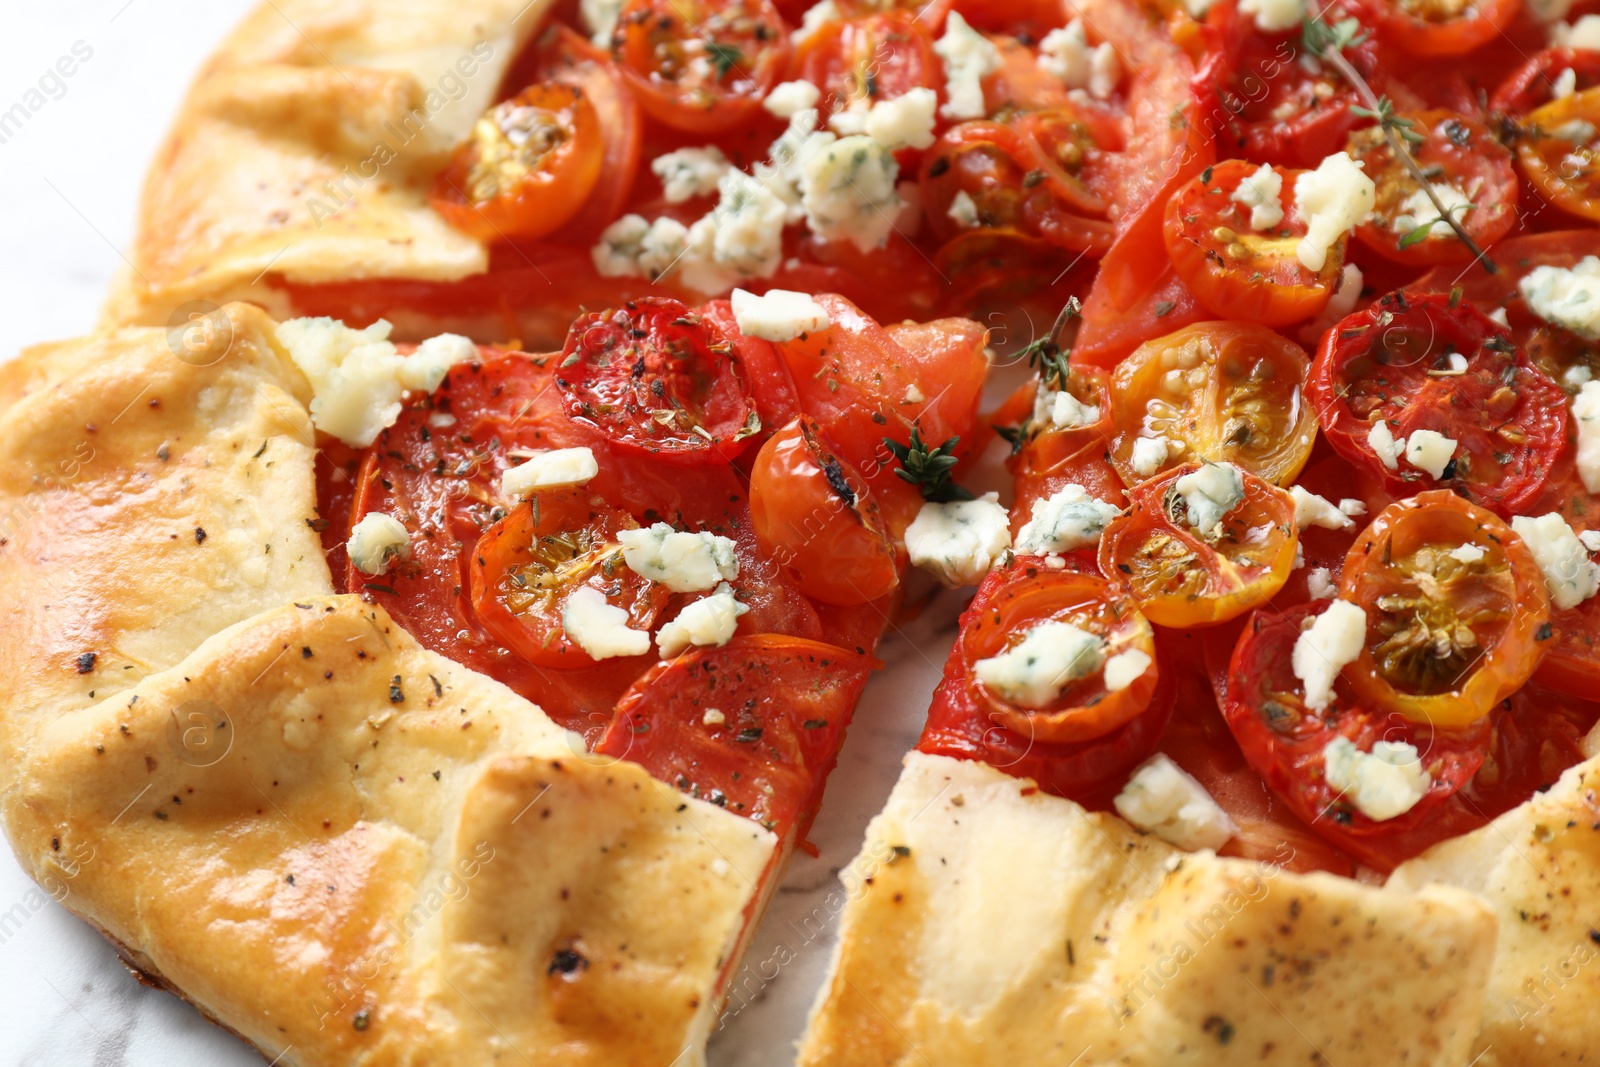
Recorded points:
(69, 179)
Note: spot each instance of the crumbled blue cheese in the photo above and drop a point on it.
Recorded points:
(1584, 33)
(1586, 419)
(683, 562)
(1384, 783)
(708, 622)
(1384, 445)
(1320, 584)
(1149, 453)
(633, 247)
(1274, 16)
(1068, 519)
(1033, 672)
(1066, 54)
(1569, 574)
(904, 121)
(600, 19)
(549, 470)
(777, 315)
(1260, 192)
(1209, 494)
(1313, 510)
(968, 57)
(1568, 297)
(964, 210)
(1430, 451)
(600, 628)
(357, 377)
(1590, 539)
(1331, 200)
(1058, 407)
(816, 16)
(1418, 210)
(849, 192)
(788, 98)
(957, 542)
(742, 237)
(1326, 648)
(1125, 668)
(1164, 799)
(375, 542)
(1467, 553)
(690, 172)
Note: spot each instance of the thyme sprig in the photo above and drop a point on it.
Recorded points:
(928, 468)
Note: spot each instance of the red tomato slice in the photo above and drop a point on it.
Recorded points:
(701, 65)
(1533, 84)
(1557, 146)
(658, 379)
(754, 726)
(1462, 155)
(1443, 27)
(876, 56)
(528, 166)
(1391, 362)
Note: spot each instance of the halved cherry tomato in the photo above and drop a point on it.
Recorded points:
(1048, 458)
(1181, 576)
(1392, 362)
(816, 515)
(874, 57)
(1447, 638)
(701, 65)
(1284, 741)
(1086, 709)
(1460, 155)
(754, 726)
(1225, 391)
(1237, 271)
(1444, 27)
(1560, 152)
(656, 378)
(959, 727)
(526, 566)
(1534, 83)
(527, 168)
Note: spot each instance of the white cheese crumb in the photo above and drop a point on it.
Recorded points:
(690, 172)
(1565, 85)
(1590, 539)
(599, 628)
(957, 542)
(1068, 519)
(1210, 493)
(815, 17)
(1568, 297)
(1430, 451)
(1066, 54)
(904, 121)
(376, 541)
(1382, 441)
(357, 377)
(964, 210)
(1584, 33)
(1383, 784)
(778, 315)
(1274, 16)
(1321, 652)
(1320, 584)
(683, 562)
(1569, 574)
(1057, 407)
(1331, 200)
(1499, 316)
(787, 98)
(708, 622)
(1313, 510)
(546, 470)
(1125, 668)
(600, 19)
(1351, 506)
(1586, 418)
(1162, 798)
(849, 192)
(1149, 453)
(968, 56)
(1033, 672)
(713, 717)
(1260, 193)
(1466, 553)
(1417, 210)
(633, 247)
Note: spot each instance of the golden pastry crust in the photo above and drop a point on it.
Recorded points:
(991, 924)
(306, 147)
(328, 838)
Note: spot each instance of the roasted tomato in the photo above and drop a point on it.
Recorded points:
(1455, 607)
(1227, 391)
(527, 168)
(816, 515)
(754, 726)
(1535, 82)
(1239, 269)
(1558, 146)
(859, 61)
(1085, 705)
(1049, 456)
(1184, 575)
(1468, 170)
(1432, 363)
(963, 727)
(526, 566)
(1286, 743)
(701, 65)
(1444, 27)
(655, 378)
